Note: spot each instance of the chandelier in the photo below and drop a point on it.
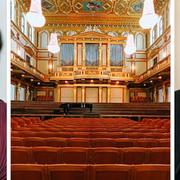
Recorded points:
(130, 47)
(149, 17)
(35, 16)
(53, 46)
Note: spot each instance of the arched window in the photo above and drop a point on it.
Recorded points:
(23, 24)
(140, 41)
(44, 40)
(160, 26)
(13, 10)
(30, 33)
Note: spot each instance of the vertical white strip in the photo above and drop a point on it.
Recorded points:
(172, 16)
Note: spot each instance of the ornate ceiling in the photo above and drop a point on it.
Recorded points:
(97, 12)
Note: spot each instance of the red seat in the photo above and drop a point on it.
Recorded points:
(27, 172)
(20, 155)
(68, 172)
(17, 141)
(124, 142)
(106, 155)
(152, 172)
(46, 155)
(103, 142)
(75, 155)
(56, 142)
(78, 142)
(111, 172)
(135, 155)
(34, 141)
(160, 155)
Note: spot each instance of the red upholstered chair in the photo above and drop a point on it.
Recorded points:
(46, 155)
(124, 142)
(145, 142)
(75, 155)
(105, 155)
(55, 142)
(103, 142)
(34, 141)
(20, 155)
(163, 142)
(78, 142)
(135, 155)
(17, 141)
(160, 155)
(27, 172)
(68, 172)
(152, 172)
(111, 172)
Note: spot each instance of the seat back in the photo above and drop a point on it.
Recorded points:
(45, 155)
(105, 156)
(135, 155)
(27, 171)
(111, 172)
(75, 155)
(150, 172)
(68, 172)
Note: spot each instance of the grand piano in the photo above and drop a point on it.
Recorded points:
(68, 106)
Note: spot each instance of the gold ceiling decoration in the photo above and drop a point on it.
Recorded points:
(116, 7)
(102, 12)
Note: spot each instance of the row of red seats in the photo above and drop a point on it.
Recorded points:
(57, 128)
(52, 155)
(23, 121)
(90, 172)
(157, 123)
(75, 134)
(92, 142)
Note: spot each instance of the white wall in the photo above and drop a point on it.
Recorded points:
(177, 45)
(3, 56)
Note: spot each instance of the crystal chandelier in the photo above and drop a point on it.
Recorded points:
(53, 46)
(130, 47)
(35, 16)
(149, 17)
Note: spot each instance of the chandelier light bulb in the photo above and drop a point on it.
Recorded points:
(53, 46)
(149, 18)
(35, 16)
(130, 47)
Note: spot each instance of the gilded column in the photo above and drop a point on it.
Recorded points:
(83, 94)
(100, 94)
(109, 95)
(84, 55)
(58, 94)
(59, 55)
(75, 94)
(100, 54)
(164, 93)
(125, 95)
(108, 55)
(27, 93)
(75, 54)
(155, 94)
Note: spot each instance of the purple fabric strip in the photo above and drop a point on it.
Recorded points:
(2, 140)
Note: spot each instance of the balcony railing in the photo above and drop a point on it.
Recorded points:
(159, 67)
(22, 64)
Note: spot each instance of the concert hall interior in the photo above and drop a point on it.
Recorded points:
(90, 89)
